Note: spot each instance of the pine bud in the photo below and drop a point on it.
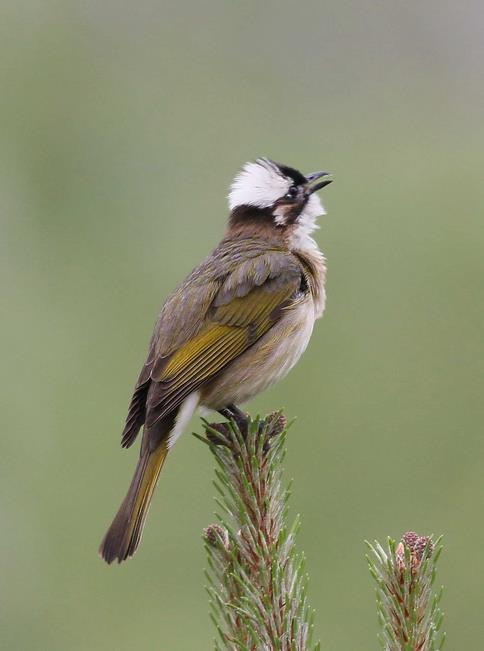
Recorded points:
(216, 536)
(417, 546)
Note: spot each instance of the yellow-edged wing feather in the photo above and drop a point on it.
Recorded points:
(229, 329)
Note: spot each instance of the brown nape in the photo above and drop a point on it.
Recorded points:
(250, 221)
(245, 214)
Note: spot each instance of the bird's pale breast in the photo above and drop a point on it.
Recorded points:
(266, 362)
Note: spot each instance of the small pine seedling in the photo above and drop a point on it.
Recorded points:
(257, 581)
(408, 609)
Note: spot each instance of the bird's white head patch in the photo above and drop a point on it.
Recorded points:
(259, 184)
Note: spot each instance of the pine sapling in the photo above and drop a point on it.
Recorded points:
(257, 580)
(408, 609)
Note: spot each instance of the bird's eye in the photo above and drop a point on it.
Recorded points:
(292, 192)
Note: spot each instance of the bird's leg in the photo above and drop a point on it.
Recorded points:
(232, 412)
(226, 413)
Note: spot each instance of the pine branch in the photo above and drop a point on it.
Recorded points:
(408, 609)
(257, 581)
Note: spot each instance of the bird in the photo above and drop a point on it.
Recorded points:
(236, 325)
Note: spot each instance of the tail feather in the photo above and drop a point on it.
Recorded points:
(123, 536)
(136, 414)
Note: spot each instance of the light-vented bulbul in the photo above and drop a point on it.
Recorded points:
(237, 324)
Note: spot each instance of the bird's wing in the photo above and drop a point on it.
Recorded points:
(230, 312)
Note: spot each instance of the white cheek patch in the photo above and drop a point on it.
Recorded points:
(306, 221)
(258, 184)
(279, 216)
(306, 224)
(312, 210)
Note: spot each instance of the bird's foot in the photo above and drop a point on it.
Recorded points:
(241, 419)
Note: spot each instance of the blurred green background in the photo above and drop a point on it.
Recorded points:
(121, 127)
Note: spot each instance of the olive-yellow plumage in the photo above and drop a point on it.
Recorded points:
(236, 325)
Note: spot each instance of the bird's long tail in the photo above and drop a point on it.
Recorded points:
(123, 536)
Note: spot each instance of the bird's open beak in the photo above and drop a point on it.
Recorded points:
(314, 176)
